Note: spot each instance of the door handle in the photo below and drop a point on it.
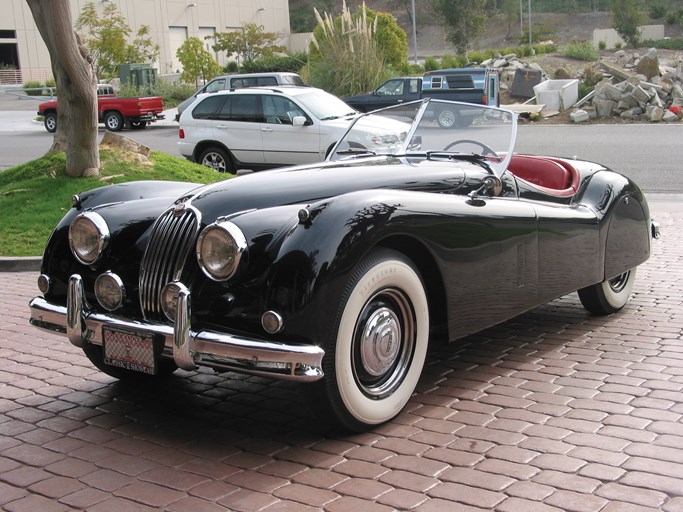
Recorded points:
(266, 129)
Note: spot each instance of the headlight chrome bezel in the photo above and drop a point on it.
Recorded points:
(100, 240)
(110, 291)
(234, 240)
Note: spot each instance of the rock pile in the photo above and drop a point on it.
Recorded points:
(508, 65)
(635, 87)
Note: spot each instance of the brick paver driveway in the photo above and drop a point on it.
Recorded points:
(554, 410)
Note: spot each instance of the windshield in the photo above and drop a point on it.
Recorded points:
(434, 129)
(324, 106)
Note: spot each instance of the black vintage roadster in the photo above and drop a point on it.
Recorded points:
(341, 273)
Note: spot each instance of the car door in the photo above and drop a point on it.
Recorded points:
(238, 127)
(389, 93)
(284, 143)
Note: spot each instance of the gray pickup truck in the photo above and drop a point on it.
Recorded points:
(480, 86)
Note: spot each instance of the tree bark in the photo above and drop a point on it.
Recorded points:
(76, 87)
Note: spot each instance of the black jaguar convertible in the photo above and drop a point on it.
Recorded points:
(341, 273)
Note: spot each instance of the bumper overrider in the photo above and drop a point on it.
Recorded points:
(187, 347)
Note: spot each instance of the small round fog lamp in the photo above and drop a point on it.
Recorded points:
(272, 322)
(169, 300)
(109, 291)
(44, 283)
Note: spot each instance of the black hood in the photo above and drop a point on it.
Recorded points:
(308, 184)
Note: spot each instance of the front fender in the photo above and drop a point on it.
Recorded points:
(314, 260)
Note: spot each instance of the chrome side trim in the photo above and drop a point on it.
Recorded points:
(188, 348)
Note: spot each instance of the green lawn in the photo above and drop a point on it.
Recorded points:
(36, 195)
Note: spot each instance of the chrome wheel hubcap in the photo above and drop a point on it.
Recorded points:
(618, 283)
(380, 342)
(384, 342)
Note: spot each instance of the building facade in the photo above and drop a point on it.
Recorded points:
(24, 56)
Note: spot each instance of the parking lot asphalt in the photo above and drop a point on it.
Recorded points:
(553, 410)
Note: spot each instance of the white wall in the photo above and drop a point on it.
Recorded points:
(170, 22)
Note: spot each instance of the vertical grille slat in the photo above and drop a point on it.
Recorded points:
(169, 246)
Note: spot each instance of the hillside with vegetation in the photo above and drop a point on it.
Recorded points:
(561, 21)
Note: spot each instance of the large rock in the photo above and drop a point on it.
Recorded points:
(654, 114)
(609, 91)
(648, 65)
(604, 108)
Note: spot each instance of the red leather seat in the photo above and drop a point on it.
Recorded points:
(550, 175)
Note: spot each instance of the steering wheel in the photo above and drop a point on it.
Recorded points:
(486, 150)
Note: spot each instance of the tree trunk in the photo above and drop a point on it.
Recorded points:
(76, 86)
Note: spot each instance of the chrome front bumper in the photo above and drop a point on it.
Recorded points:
(188, 348)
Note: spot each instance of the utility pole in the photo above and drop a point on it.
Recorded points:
(530, 42)
(414, 33)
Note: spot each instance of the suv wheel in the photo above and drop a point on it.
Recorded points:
(218, 159)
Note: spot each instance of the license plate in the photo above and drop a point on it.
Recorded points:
(129, 350)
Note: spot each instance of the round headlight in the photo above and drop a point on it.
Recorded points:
(88, 236)
(109, 291)
(219, 250)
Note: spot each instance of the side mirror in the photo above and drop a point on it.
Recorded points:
(298, 121)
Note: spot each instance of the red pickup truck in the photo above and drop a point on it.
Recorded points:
(114, 112)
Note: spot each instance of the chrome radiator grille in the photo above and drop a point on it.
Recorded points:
(172, 241)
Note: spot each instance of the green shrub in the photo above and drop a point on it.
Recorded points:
(37, 86)
(618, 45)
(231, 67)
(602, 45)
(292, 63)
(665, 44)
(478, 56)
(657, 10)
(581, 50)
(674, 17)
(172, 93)
(431, 63)
(452, 61)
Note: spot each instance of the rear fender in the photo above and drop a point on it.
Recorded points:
(624, 219)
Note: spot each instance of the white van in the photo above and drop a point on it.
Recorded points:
(240, 81)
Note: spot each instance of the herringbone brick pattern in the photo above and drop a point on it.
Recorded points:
(554, 410)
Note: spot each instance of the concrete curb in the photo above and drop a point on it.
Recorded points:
(20, 264)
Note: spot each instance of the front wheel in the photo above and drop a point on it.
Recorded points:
(379, 342)
(609, 296)
(113, 121)
(50, 122)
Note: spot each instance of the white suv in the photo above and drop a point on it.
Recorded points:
(259, 128)
(238, 81)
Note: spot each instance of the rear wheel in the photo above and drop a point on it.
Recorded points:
(609, 296)
(446, 118)
(379, 343)
(113, 121)
(218, 159)
(50, 122)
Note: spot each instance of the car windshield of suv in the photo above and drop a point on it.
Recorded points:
(324, 106)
